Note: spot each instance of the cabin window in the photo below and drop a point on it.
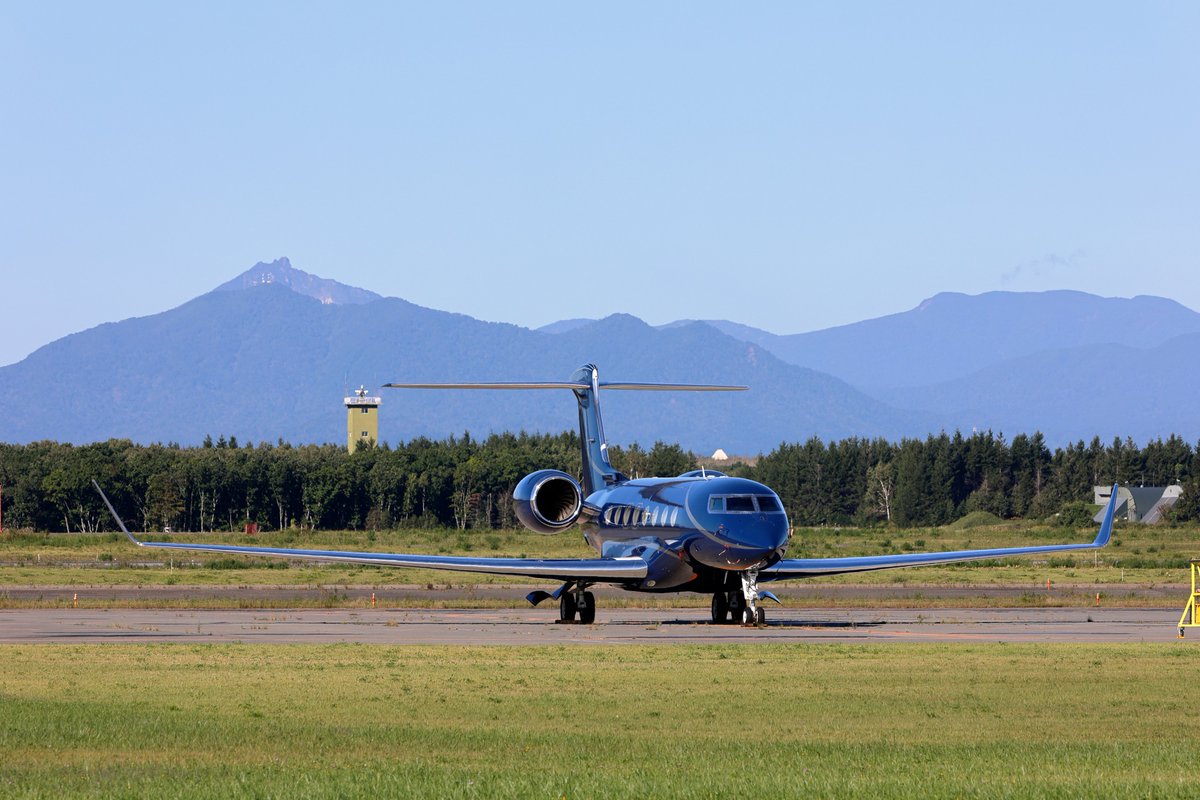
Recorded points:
(716, 505)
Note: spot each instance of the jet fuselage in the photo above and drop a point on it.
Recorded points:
(695, 532)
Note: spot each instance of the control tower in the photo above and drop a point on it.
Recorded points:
(362, 419)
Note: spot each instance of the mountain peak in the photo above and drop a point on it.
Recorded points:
(280, 271)
(939, 299)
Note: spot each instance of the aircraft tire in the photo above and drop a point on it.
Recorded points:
(762, 616)
(747, 616)
(720, 608)
(566, 607)
(587, 612)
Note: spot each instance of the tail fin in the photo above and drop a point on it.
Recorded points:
(598, 471)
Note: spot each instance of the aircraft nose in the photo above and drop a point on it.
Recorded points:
(742, 544)
(762, 532)
(740, 531)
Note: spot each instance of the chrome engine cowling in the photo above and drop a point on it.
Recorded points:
(548, 501)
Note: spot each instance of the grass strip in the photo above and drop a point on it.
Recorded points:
(901, 720)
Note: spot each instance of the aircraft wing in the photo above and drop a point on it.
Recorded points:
(597, 570)
(813, 567)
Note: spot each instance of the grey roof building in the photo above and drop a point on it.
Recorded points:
(1138, 503)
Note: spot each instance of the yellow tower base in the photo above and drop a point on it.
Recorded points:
(362, 419)
(1189, 619)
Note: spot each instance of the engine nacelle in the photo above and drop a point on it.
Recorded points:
(548, 501)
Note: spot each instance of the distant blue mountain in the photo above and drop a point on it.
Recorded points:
(267, 359)
(1069, 364)
(1074, 393)
(565, 325)
(271, 353)
(953, 335)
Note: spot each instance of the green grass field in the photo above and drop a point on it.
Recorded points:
(704, 721)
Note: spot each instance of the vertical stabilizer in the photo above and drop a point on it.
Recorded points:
(598, 471)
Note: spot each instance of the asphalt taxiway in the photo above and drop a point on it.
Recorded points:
(613, 626)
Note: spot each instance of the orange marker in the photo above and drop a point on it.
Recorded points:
(372, 599)
(75, 601)
(1097, 598)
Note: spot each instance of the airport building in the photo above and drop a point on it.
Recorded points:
(362, 419)
(1138, 503)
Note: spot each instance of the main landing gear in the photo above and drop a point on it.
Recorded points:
(740, 606)
(577, 602)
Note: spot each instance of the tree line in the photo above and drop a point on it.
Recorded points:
(462, 482)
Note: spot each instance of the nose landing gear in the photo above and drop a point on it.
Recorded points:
(753, 613)
(741, 606)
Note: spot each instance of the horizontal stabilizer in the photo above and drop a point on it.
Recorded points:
(503, 385)
(673, 387)
(647, 387)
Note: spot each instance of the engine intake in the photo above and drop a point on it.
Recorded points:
(548, 501)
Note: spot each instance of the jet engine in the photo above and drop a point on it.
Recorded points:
(548, 501)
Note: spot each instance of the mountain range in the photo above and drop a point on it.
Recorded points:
(270, 354)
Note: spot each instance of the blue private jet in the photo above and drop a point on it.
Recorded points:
(702, 531)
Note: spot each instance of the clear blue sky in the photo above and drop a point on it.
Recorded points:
(788, 166)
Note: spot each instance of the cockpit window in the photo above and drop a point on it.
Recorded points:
(739, 502)
(744, 504)
(767, 503)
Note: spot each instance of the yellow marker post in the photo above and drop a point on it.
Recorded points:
(1189, 618)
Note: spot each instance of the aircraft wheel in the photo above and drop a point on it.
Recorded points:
(587, 609)
(566, 607)
(762, 616)
(748, 616)
(720, 608)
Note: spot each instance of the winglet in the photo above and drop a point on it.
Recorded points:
(113, 511)
(1106, 529)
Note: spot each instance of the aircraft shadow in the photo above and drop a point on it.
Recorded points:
(821, 624)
